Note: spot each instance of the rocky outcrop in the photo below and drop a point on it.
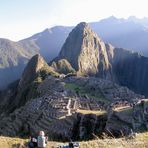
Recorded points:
(86, 52)
(34, 65)
(63, 66)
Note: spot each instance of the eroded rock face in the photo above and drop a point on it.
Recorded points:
(131, 70)
(34, 65)
(86, 52)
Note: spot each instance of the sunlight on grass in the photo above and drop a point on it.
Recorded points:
(83, 91)
(141, 141)
(124, 109)
(91, 112)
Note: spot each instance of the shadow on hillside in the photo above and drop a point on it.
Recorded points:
(10, 74)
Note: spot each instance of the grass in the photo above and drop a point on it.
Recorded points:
(126, 110)
(91, 112)
(141, 141)
(7, 142)
(47, 70)
(84, 91)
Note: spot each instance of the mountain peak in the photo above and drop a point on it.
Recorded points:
(33, 66)
(82, 28)
(85, 51)
(82, 25)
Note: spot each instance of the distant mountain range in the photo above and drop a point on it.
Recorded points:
(13, 59)
(49, 42)
(131, 33)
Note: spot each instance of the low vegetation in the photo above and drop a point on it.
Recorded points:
(85, 91)
(63, 66)
(141, 141)
(45, 71)
(91, 112)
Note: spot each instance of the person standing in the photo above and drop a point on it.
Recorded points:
(41, 140)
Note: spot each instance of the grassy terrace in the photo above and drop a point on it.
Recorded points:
(141, 141)
(124, 109)
(84, 91)
(91, 112)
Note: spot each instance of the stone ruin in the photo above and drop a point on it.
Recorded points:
(55, 112)
(121, 121)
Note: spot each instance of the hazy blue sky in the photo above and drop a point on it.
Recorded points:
(22, 18)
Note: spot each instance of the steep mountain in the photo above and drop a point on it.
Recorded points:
(15, 55)
(25, 89)
(30, 71)
(131, 33)
(86, 52)
(89, 55)
(131, 70)
(13, 59)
